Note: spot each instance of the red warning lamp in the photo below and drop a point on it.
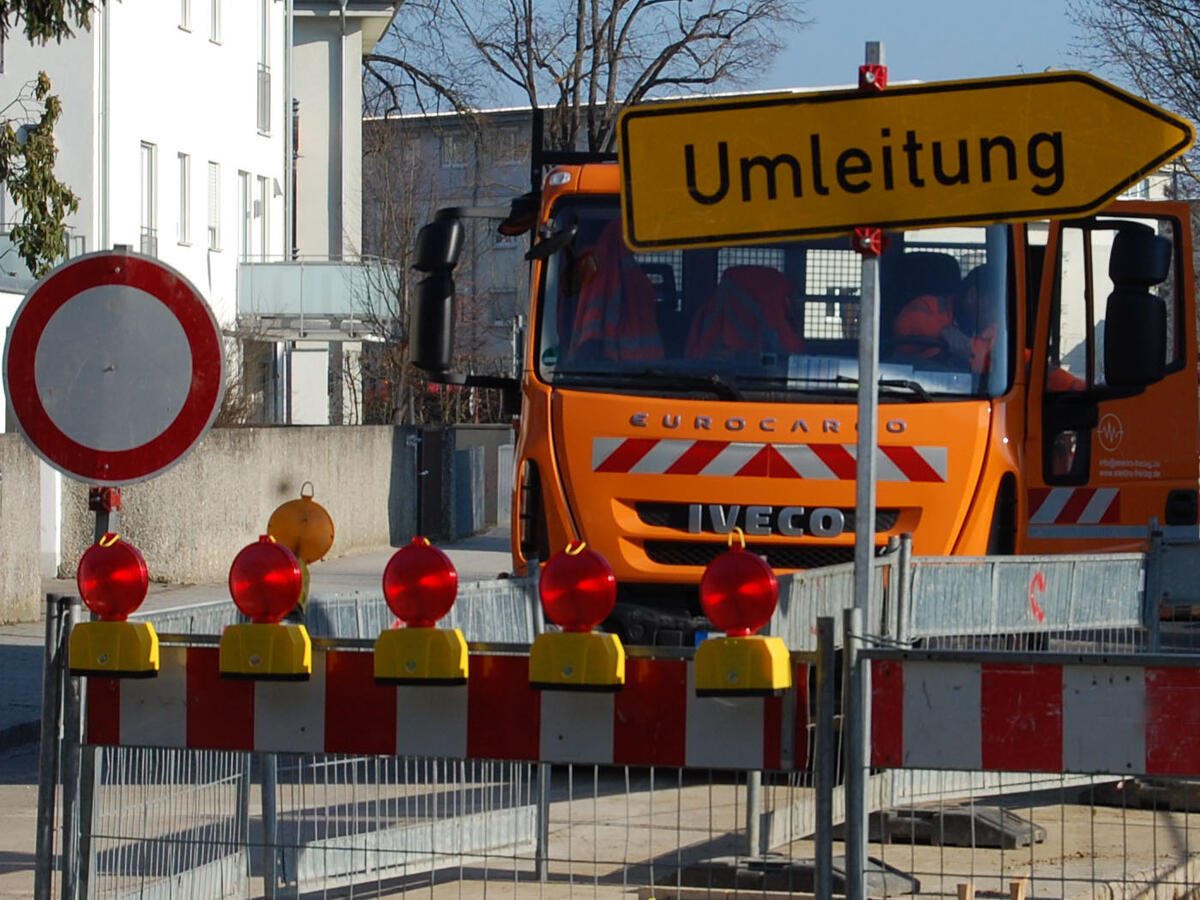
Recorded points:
(578, 591)
(420, 584)
(265, 581)
(739, 592)
(112, 578)
(578, 588)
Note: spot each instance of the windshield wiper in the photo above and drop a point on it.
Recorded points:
(907, 384)
(713, 381)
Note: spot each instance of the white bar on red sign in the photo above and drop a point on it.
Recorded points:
(942, 720)
(723, 732)
(289, 716)
(153, 711)
(577, 727)
(1104, 719)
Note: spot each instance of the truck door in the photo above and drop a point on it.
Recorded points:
(1101, 460)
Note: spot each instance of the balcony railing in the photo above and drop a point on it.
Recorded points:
(264, 98)
(149, 244)
(317, 297)
(11, 264)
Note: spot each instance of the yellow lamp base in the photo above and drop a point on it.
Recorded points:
(577, 661)
(117, 649)
(266, 652)
(432, 656)
(750, 666)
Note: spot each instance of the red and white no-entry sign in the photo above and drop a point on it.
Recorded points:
(114, 368)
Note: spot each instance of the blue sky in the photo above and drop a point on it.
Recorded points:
(930, 40)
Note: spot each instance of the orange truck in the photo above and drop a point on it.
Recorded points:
(1037, 390)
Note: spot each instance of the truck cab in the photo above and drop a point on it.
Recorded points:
(1037, 391)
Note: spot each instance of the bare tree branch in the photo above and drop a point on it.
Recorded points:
(1153, 48)
(586, 59)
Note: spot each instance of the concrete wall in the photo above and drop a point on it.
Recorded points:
(20, 489)
(191, 521)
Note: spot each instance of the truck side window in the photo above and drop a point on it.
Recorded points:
(1076, 351)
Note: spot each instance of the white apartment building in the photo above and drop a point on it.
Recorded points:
(177, 136)
(172, 132)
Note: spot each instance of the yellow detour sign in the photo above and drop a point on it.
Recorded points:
(778, 166)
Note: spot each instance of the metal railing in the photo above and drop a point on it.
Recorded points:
(264, 98)
(149, 241)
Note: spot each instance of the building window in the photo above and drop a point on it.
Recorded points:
(261, 211)
(454, 151)
(506, 145)
(245, 204)
(149, 204)
(214, 206)
(214, 22)
(185, 14)
(185, 199)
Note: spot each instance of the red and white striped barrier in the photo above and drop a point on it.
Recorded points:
(1078, 718)
(655, 720)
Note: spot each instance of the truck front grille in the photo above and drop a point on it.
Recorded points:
(779, 556)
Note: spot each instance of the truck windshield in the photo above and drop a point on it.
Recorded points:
(754, 322)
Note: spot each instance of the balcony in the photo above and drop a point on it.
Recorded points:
(318, 299)
(149, 241)
(264, 98)
(11, 264)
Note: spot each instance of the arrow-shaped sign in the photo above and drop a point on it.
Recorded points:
(786, 165)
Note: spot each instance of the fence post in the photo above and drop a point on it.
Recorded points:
(903, 592)
(244, 784)
(89, 785)
(270, 821)
(856, 717)
(541, 853)
(1151, 602)
(43, 872)
(72, 732)
(753, 812)
(824, 751)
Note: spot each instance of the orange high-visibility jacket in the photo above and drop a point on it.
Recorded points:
(615, 317)
(748, 312)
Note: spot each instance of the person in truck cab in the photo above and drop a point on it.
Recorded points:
(747, 315)
(614, 317)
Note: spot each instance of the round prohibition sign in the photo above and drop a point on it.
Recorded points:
(114, 367)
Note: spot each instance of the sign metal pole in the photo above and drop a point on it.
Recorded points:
(870, 243)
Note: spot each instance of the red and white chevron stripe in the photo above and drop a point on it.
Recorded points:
(1074, 506)
(1078, 718)
(655, 720)
(820, 462)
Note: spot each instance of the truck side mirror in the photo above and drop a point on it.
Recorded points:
(1135, 326)
(432, 321)
(439, 244)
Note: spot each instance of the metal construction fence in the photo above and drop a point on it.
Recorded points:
(834, 813)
